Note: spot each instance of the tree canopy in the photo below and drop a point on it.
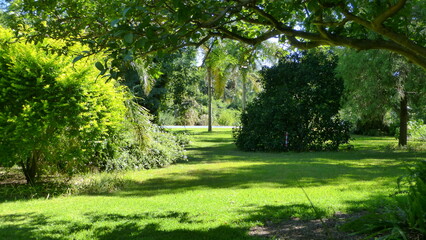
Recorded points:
(377, 82)
(128, 27)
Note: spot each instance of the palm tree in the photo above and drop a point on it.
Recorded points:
(250, 61)
(218, 63)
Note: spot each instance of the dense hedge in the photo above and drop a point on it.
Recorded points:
(301, 97)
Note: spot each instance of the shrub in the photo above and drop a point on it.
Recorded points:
(203, 120)
(301, 98)
(142, 145)
(414, 203)
(417, 130)
(54, 115)
(166, 118)
(189, 117)
(228, 117)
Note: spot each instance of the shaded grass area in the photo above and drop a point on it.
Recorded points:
(218, 194)
(114, 226)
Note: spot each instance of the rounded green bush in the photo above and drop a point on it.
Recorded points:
(298, 109)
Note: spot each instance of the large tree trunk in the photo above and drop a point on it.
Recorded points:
(403, 121)
(29, 167)
(209, 88)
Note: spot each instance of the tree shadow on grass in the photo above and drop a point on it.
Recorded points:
(154, 231)
(149, 225)
(112, 226)
(280, 172)
(22, 191)
(228, 152)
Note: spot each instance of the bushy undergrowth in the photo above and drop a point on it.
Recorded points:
(413, 204)
(198, 115)
(96, 184)
(413, 146)
(143, 145)
(91, 183)
(228, 117)
(417, 130)
(12, 192)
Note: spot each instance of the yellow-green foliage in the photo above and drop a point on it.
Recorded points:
(50, 108)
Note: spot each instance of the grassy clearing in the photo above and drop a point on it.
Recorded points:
(219, 194)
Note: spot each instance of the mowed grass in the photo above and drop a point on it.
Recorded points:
(218, 194)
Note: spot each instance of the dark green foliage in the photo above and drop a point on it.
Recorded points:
(301, 97)
(126, 28)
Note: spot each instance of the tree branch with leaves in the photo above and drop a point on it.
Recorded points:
(128, 28)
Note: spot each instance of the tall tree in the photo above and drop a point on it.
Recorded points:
(218, 63)
(131, 27)
(378, 81)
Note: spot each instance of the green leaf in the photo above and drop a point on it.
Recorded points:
(141, 43)
(128, 57)
(128, 38)
(77, 58)
(118, 33)
(114, 22)
(114, 74)
(126, 10)
(99, 66)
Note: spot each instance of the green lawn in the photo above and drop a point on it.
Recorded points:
(218, 194)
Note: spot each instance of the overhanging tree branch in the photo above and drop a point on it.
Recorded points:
(389, 12)
(249, 21)
(386, 32)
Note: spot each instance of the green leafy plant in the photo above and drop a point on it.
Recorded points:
(228, 117)
(413, 204)
(166, 118)
(54, 115)
(142, 145)
(417, 130)
(298, 109)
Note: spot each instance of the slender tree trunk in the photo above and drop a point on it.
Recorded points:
(403, 121)
(209, 88)
(244, 89)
